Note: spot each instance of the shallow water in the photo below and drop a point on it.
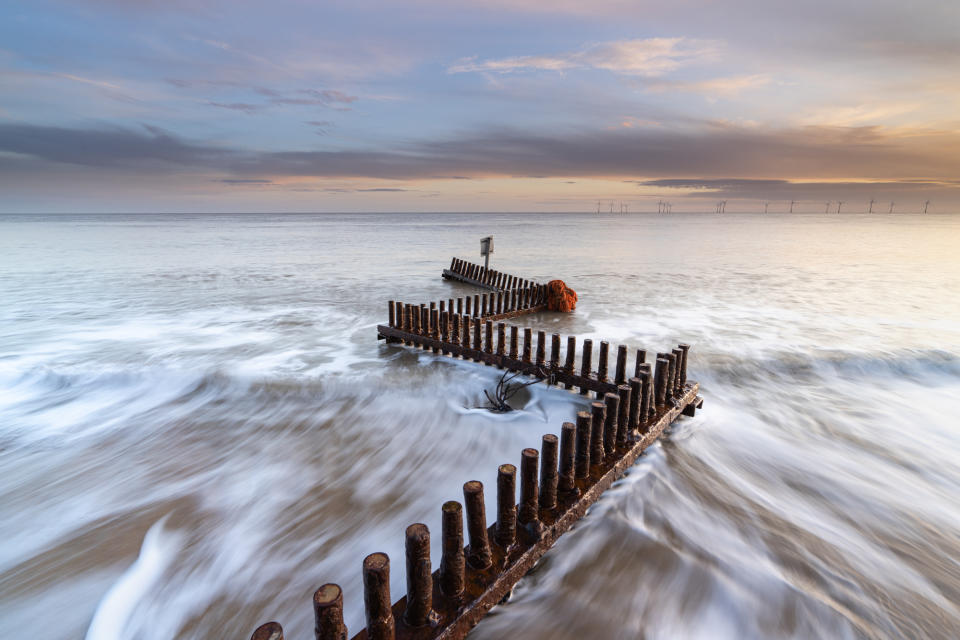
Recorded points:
(198, 426)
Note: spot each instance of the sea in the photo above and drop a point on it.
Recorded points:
(199, 427)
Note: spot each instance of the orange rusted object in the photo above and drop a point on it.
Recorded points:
(560, 297)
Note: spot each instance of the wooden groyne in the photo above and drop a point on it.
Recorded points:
(483, 277)
(558, 483)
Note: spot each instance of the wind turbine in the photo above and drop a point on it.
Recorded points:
(766, 206)
(891, 207)
(723, 207)
(871, 205)
(611, 206)
(827, 209)
(925, 205)
(792, 202)
(839, 204)
(598, 207)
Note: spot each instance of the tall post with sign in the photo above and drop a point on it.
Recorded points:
(486, 248)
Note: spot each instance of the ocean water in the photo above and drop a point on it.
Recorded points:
(198, 426)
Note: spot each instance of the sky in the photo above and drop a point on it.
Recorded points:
(519, 105)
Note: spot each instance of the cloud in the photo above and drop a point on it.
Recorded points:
(816, 191)
(711, 151)
(713, 88)
(109, 147)
(649, 57)
(236, 106)
(244, 181)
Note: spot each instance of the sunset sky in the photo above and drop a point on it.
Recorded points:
(200, 105)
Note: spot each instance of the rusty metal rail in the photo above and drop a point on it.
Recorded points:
(484, 278)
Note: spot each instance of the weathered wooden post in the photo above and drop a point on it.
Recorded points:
(586, 363)
(598, 415)
(636, 387)
(548, 473)
(268, 631)
(583, 444)
(529, 511)
(683, 366)
(612, 402)
(623, 417)
(621, 375)
(602, 363)
(419, 576)
(566, 483)
(453, 561)
(478, 552)
(376, 597)
(328, 613)
(506, 532)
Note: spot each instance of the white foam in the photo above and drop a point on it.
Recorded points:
(117, 606)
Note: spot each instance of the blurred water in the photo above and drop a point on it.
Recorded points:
(198, 426)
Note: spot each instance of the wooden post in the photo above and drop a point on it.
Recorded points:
(678, 361)
(477, 336)
(571, 356)
(478, 553)
(645, 392)
(527, 346)
(586, 363)
(390, 311)
(376, 597)
(621, 374)
(529, 511)
(465, 335)
(513, 342)
(548, 473)
(468, 306)
(602, 364)
(268, 631)
(506, 531)
(541, 347)
(598, 416)
(683, 365)
(555, 352)
(583, 444)
(453, 561)
(623, 417)
(419, 576)
(566, 484)
(660, 380)
(636, 386)
(612, 402)
(328, 613)
(641, 358)
(488, 328)
(501, 338)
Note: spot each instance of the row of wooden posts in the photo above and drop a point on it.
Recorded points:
(557, 485)
(472, 338)
(492, 306)
(480, 276)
